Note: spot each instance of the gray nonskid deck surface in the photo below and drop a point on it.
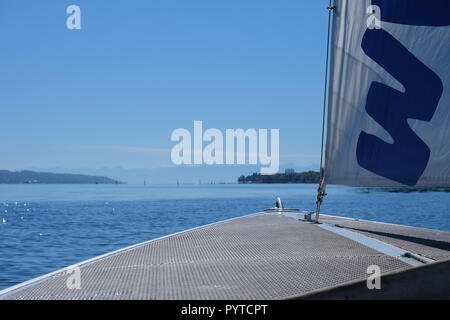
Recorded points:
(266, 256)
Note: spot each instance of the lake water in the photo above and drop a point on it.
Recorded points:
(47, 227)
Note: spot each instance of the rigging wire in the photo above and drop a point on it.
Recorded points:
(321, 188)
(325, 87)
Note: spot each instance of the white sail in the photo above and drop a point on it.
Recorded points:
(389, 94)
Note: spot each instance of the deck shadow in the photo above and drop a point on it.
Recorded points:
(426, 242)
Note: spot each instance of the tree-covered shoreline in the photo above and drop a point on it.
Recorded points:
(287, 177)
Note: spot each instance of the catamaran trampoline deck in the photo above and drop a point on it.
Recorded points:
(261, 256)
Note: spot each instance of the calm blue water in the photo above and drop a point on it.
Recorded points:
(48, 227)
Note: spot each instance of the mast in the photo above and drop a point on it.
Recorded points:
(322, 185)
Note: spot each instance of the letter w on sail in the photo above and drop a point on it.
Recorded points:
(405, 160)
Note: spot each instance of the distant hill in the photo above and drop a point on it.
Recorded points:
(289, 176)
(33, 177)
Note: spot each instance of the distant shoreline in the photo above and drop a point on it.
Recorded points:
(290, 176)
(32, 177)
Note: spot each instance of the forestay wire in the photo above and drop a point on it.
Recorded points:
(321, 188)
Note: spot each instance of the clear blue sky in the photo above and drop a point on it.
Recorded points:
(111, 93)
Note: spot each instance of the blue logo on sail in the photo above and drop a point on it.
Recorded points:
(405, 160)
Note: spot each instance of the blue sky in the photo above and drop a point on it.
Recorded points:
(111, 94)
